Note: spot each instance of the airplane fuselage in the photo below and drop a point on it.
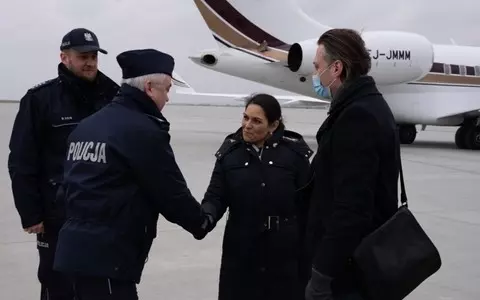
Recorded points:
(427, 103)
(423, 83)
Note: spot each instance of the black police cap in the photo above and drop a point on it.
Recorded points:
(141, 62)
(81, 40)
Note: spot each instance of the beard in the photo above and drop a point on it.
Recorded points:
(84, 72)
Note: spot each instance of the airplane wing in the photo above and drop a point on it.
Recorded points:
(241, 97)
(182, 87)
(471, 112)
(178, 81)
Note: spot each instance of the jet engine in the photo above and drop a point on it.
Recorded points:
(397, 57)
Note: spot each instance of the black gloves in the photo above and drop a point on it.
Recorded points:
(318, 288)
(207, 226)
(209, 223)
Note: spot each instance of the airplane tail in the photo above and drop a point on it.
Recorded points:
(268, 26)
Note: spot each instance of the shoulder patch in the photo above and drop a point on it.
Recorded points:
(42, 84)
(297, 143)
(163, 124)
(161, 121)
(227, 145)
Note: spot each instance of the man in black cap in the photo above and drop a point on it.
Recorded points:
(120, 174)
(47, 114)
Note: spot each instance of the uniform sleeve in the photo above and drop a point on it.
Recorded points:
(158, 173)
(355, 167)
(24, 164)
(215, 201)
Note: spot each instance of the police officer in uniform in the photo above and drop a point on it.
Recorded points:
(120, 174)
(46, 116)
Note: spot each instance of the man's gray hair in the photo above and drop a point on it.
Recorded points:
(139, 82)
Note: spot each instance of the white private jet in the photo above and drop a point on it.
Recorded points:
(273, 42)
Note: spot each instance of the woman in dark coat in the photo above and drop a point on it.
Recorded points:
(259, 176)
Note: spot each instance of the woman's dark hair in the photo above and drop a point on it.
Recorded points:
(270, 106)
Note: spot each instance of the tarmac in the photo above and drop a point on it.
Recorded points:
(443, 184)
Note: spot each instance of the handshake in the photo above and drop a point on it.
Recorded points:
(207, 225)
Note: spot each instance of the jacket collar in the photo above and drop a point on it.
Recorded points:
(76, 82)
(275, 138)
(290, 138)
(352, 90)
(279, 135)
(87, 91)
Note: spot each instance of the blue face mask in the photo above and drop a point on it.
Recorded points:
(320, 90)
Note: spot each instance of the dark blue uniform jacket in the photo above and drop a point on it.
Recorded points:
(47, 115)
(120, 173)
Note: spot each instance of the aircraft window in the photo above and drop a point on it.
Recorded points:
(455, 69)
(437, 68)
(477, 70)
(470, 71)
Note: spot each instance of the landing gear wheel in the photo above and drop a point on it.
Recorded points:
(476, 138)
(472, 137)
(461, 137)
(468, 137)
(407, 133)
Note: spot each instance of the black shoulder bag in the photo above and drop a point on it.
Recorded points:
(397, 257)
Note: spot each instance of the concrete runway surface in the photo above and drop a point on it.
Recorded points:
(443, 184)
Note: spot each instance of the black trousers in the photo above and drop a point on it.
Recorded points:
(54, 285)
(94, 288)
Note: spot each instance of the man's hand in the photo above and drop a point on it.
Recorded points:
(207, 225)
(209, 222)
(35, 228)
(318, 288)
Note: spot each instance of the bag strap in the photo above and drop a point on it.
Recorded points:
(403, 195)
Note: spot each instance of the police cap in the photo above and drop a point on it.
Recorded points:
(141, 62)
(81, 40)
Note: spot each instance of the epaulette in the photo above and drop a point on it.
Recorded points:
(164, 124)
(228, 145)
(42, 85)
(297, 143)
(290, 139)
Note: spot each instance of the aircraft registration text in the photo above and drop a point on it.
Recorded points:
(391, 54)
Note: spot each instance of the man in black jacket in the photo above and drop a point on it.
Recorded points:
(356, 166)
(47, 114)
(120, 174)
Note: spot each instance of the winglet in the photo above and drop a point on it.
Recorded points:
(181, 84)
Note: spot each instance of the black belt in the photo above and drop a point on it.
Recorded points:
(274, 223)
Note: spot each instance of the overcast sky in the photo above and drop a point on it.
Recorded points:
(31, 32)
